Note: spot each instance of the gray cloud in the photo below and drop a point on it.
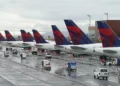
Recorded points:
(41, 14)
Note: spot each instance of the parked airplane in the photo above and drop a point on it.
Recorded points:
(59, 37)
(61, 42)
(85, 46)
(28, 42)
(27, 39)
(9, 37)
(31, 37)
(12, 42)
(2, 38)
(42, 43)
(110, 41)
(76, 34)
(38, 38)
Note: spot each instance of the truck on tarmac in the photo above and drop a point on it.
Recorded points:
(6, 54)
(46, 64)
(71, 66)
(23, 55)
(34, 50)
(116, 61)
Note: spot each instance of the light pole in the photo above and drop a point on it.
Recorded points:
(89, 20)
(106, 15)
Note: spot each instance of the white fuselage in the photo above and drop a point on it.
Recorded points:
(47, 46)
(84, 48)
(20, 43)
(90, 48)
(109, 51)
(65, 48)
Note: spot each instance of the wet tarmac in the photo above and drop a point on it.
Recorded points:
(31, 67)
(4, 82)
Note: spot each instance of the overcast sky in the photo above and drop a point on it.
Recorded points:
(41, 14)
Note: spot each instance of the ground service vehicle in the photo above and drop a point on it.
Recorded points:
(116, 61)
(101, 73)
(23, 55)
(34, 50)
(48, 56)
(109, 63)
(71, 66)
(6, 53)
(46, 65)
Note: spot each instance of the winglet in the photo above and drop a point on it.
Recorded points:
(59, 37)
(108, 37)
(9, 37)
(76, 34)
(38, 38)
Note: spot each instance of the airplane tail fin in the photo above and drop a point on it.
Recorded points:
(30, 36)
(9, 37)
(2, 37)
(25, 36)
(59, 37)
(108, 37)
(76, 34)
(38, 38)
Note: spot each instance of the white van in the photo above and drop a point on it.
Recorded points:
(101, 73)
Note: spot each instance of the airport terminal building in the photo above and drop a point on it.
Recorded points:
(114, 25)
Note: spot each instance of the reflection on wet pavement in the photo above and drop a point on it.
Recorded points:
(58, 67)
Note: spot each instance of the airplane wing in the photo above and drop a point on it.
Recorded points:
(45, 46)
(78, 48)
(26, 44)
(110, 51)
(18, 44)
(58, 47)
(39, 46)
